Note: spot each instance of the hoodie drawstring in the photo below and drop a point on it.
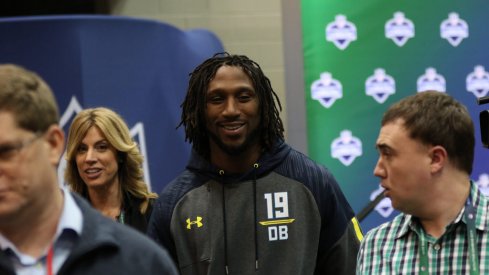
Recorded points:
(254, 209)
(221, 173)
(226, 266)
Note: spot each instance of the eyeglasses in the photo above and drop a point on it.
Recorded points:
(10, 150)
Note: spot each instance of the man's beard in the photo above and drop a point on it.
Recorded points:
(251, 139)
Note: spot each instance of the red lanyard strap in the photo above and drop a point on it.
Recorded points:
(49, 261)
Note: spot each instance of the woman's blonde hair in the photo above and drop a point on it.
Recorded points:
(117, 134)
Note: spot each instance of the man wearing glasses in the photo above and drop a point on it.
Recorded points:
(45, 229)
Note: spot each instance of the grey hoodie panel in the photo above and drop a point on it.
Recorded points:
(288, 228)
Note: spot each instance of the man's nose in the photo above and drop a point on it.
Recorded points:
(231, 108)
(379, 170)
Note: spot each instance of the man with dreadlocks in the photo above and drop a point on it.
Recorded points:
(247, 202)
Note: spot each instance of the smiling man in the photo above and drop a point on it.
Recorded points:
(247, 202)
(426, 150)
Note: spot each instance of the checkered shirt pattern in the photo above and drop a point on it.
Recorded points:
(393, 248)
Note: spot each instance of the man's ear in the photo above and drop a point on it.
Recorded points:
(439, 158)
(55, 138)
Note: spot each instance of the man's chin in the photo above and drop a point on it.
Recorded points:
(233, 150)
(238, 146)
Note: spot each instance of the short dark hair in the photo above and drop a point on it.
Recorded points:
(435, 118)
(194, 104)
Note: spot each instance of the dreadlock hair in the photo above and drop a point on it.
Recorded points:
(193, 107)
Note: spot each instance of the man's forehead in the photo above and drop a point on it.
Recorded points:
(391, 132)
(8, 125)
(7, 117)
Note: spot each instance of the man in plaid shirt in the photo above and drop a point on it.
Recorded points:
(426, 151)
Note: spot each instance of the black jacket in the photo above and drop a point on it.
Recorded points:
(106, 247)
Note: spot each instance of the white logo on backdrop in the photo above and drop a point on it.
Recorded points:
(341, 32)
(454, 29)
(384, 207)
(483, 184)
(399, 29)
(431, 80)
(380, 85)
(326, 90)
(478, 81)
(137, 132)
(346, 148)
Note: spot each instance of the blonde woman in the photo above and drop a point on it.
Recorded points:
(104, 166)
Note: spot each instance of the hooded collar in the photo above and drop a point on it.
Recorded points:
(267, 162)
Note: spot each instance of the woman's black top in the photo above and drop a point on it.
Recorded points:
(131, 215)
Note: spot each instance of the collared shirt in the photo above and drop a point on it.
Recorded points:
(67, 233)
(393, 247)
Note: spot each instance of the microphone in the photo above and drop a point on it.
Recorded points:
(484, 122)
(367, 209)
(483, 100)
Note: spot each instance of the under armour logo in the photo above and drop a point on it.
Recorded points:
(197, 222)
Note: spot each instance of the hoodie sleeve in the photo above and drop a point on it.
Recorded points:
(159, 225)
(342, 256)
(340, 231)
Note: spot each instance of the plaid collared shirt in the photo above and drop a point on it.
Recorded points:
(393, 248)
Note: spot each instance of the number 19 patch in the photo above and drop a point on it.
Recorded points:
(277, 216)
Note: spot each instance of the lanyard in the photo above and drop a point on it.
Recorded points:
(49, 261)
(469, 215)
(121, 218)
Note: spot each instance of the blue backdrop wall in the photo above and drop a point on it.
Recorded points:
(139, 68)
